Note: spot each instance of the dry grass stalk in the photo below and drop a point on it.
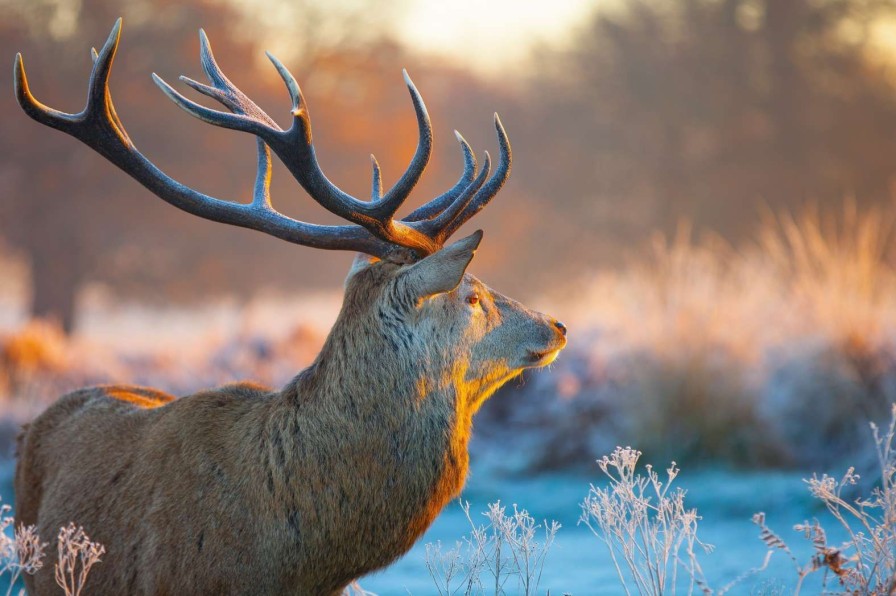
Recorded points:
(865, 563)
(645, 525)
(508, 547)
(76, 555)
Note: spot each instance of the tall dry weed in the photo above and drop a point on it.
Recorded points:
(836, 270)
(504, 556)
(772, 354)
(648, 530)
(865, 563)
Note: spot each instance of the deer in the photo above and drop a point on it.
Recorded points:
(245, 489)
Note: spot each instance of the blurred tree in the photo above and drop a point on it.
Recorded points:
(301, 31)
(704, 109)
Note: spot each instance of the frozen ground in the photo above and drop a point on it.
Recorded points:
(578, 563)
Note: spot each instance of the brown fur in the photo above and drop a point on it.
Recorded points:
(247, 490)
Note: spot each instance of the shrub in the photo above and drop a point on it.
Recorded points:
(39, 348)
(23, 552)
(645, 524)
(866, 562)
(507, 548)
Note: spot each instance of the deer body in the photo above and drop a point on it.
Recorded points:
(256, 496)
(244, 490)
(247, 490)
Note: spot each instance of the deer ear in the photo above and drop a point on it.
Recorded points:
(360, 262)
(443, 271)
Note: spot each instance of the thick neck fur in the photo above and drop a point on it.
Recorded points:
(394, 414)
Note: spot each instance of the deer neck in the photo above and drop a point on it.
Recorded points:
(376, 368)
(396, 429)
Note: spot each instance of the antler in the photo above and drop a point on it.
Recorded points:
(373, 231)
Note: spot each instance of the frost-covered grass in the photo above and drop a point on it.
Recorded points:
(651, 536)
(23, 552)
(644, 522)
(865, 563)
(773, 355)
(504, 556)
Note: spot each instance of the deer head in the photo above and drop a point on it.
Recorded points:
(450, 325)
(342, 470)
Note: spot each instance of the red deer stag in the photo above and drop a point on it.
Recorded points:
(248, 490)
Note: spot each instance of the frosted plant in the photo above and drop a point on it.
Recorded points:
(510, 547)
(20, 552)
(644, 524)
(28, 554)
(7, 542)
(515, 547)
(355, 589)
(454, 570)
(866, 562)
(76, 555)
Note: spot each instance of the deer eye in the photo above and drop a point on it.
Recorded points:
(473, 299)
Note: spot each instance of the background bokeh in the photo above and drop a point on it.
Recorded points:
(702, 190)
(626, 117)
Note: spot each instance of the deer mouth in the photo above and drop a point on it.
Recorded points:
(539, 359)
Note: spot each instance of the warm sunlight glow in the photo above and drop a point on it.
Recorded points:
(490, 35)
(883, 35)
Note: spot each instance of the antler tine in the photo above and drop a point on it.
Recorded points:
(437, 226)
(376, 192)
(98, 100)
(398, 194)
(292, 86)
(38, 111)
(235, 121)
(485, 194)
(233, 98)
(108, 51)
(261, 197)
(206, 90)
(438, 204)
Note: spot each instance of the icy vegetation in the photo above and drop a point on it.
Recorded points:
(651, 536)
(23, 552)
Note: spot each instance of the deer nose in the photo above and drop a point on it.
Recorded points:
(560, 327)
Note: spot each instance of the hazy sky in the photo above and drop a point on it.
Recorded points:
(489, 34)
